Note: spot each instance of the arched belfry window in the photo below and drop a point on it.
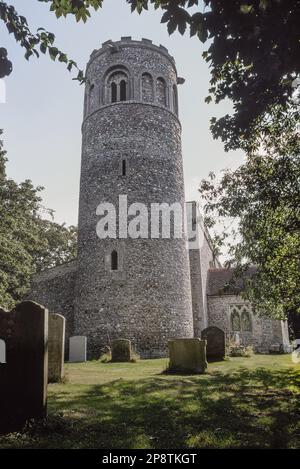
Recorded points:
(118, 86)
(2, 351)
(113, 90)
(161, 91)
(123, 90)
(147, 88)
(114, 260)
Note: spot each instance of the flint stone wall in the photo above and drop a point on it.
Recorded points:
(55, 288)
(265, 332)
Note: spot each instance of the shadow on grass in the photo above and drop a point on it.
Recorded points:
(247, 408)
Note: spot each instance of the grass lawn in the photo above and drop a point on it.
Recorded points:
(243, 402)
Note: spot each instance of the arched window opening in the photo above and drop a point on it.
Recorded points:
(114, 260)
(124, 168)
(113, 92)
(235, 321)
(91, 97)
(118, 86)
(175, 100)
(147, 88)
(2, 351)
(161, 91)
(123, 89)
(246, 321)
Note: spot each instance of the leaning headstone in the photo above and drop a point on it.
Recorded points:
(187, 356)
(24, 375)
(121, 350)
(215, 348)
(56, 347)
(77, 351)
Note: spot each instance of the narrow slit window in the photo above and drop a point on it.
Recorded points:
(113, 92)
(123, 90)
(124, 168)
(114, 260)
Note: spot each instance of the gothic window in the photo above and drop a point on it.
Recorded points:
(114, 260)
(175, 100)
(147, 88)
(240, 317)
(117, 84)
(161, 91)
(2, 351)
(246, 320)
(235, 321)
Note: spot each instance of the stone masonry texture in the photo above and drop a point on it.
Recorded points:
(131, 147)
(148, 299)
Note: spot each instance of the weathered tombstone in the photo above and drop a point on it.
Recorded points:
(215, 337)
(24, 375)
(77, 352)
(187, 356)
(121, 350)
(276, 348)
(56, 347)
(2, 351)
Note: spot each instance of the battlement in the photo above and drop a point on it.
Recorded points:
(128, 41)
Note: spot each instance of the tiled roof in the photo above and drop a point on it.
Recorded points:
(221, 281)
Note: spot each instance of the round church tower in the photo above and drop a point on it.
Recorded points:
(134, 284)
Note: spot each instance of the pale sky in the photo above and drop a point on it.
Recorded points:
(43, 112)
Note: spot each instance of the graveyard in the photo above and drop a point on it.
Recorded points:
(239, 402)
(149, 299)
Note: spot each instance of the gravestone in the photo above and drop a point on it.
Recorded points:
(2, 351)
(24, 375)
(187, 356)
(77, 351)
(215, 348)
(121, 350)
(56, 347)
(276, 348)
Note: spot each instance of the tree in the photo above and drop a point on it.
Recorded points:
(263, 195)
(253, 57)
(253, 53)
(59, 247)
(28, 243)
(41, 41)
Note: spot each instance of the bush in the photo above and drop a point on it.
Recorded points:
(105, 356)
(134, 357)
(241, 351)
